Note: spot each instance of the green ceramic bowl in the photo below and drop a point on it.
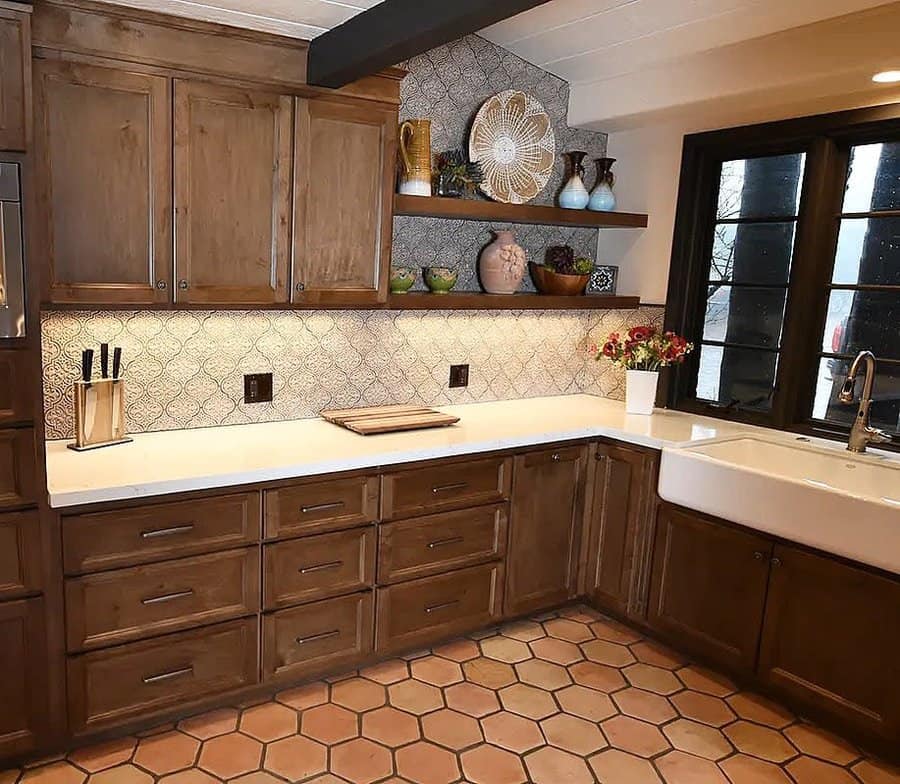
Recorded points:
(402, 279)
(440, 280)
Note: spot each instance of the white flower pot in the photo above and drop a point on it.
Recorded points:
(640, 391)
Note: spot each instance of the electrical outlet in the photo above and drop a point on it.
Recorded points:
(258, 388)
(459, 376)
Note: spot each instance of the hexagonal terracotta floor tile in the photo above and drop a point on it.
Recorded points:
(458, 650)
(436, 671)
(644, 705)
(634, 736)
(328, 724)
(358, 694)
(190, 776)
(415, 697)
(704, 708)
(269, 721)
(556, 651)
(490, 765)
(553, 766)
(261, 777)
(807, 770)
(742, 769)
(505, 649)
(56, 773)
(564, 629)
(586, 703)
(614, 766)
(543, 674)
(573, 734)
(390, 727)
(597, 676)
(614, 631)
(360, 761)
(760, 710)
(209, 725)
(104, 755)
(304, 697)
(129, 774)
(677, 767)
(296, 758)
(425, 763)
(876, 772)
(166, 753)
(524, 631)
(471, 699)
(698, 739)
(657, 654)
(815, 742)
(707, 681)
(451, 729)
(650, 678)
(528, 701)
(387, 672)
(758, 741)
(230, 755)
(512, 732)
(489, 673)
(610, 653)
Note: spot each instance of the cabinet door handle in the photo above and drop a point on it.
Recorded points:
(168, 597)
(183, 284)
(555, 457)
(776, 562)
(317, 637)
(321, 507)
(300, 286)
(320, 567)
(168, 676)
(758, 555)
(444, 606)
(448, 488)
(445, 542)
(162, 285)
(173, 531)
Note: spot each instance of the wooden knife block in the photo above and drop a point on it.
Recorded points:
(99, 414)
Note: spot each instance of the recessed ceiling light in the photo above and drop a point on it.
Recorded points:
(885, 77)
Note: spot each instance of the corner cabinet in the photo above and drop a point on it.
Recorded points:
(345, 159)
(15, 79)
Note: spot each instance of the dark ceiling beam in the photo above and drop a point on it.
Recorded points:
(396, 30)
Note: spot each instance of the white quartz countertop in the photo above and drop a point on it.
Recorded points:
(156, 464)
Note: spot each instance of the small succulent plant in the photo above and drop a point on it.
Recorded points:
(457, 172)
(561, 259)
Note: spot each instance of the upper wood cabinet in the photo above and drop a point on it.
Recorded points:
(544, 528)
(15, 79)
(343, 184)
(103, 161)
(232, 194)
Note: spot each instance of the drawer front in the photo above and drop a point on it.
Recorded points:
(318, 637)
(15, 387)
(18, 486)
(130, 604)
(313, 507)
(424, 611)
(20, 557)
(445, 486)
(109, 686)
(124, 537)
(430, 545)
(316, 567)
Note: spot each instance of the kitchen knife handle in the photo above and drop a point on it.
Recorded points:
(87, 362)
(117, 361)
(104, 360)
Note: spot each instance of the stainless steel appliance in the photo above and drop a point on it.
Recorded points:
(12, 260)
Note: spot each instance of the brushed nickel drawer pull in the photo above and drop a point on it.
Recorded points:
(320, 567)
(175, 529)
(317, 637)
(445, 542)
(167, 676)
(168, 597)
(555, 457)
(321, 507)
(447, 488)
(443, 606)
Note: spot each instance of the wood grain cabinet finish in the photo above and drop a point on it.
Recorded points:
(16, 387)
(830, 640)
(316, 567)
(545, 528)
(345, 157)
(153, 599)
(232, 194)
(20, 556)
(23, 691)
(709, 587)
(429, 545)
(321, 505)
(314, 638)
(143, 534)
(18, 485)
(15, 79)
(443, 486)
(103, 179)
(110, 686)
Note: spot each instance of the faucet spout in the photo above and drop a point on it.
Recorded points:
(862, 433)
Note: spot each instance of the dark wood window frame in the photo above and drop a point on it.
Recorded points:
(826, 140)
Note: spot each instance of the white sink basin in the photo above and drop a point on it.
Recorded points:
(822, 497)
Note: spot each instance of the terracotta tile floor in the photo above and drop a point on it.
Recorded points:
(565, 698)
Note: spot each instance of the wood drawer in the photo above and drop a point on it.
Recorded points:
(131, 604)
(326, 505)
(15, 387)
(137, 679)
(318, 637)
(124, 537)
(445, 486)
(424, 611)
(18, 486)
(20, 556)
(430, 545)
(317, 567)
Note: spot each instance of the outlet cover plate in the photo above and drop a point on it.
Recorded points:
(258, 388)
(459, 376)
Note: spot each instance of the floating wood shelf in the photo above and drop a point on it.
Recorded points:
(470, 209)
(473, 300)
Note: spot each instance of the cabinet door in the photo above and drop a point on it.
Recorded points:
(621, 528)
(232, 194)
(830, 640)
(16, 390)
(104, 160)
(544, 528)
(23, 694)
(15, 79)
(18, 486)
(344, 177)
(709, 587)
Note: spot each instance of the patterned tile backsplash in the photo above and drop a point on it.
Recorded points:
(185, 369)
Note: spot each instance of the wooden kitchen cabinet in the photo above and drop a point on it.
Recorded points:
(15, 79)
(103, 181)
(830, 640)
(545, 525)
(343, 190)
(232, 194)
(18, 484)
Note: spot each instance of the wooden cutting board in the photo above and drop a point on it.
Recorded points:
(388, 419)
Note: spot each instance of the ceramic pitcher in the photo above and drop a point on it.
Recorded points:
(415, 152)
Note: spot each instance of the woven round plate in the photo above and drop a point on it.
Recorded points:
(512, 138)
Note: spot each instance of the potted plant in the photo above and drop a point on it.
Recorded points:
(457, 176)
(644, 351)
(562, 273)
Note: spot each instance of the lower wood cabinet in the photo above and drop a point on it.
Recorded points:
(20, 555)
(17, 478)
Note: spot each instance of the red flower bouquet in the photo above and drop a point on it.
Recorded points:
(645, 348)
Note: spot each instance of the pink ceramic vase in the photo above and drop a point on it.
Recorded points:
(501, 265)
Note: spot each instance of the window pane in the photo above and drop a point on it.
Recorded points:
(868, 252)
(860, 320)
(885, 411)
(752, 252)
(750, 316)
(738, 376)
(874, 179)
(761, 187)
